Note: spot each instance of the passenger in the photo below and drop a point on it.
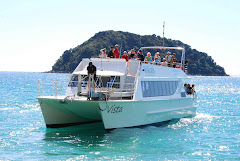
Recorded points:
(125, 56)
(174, 62)
(140, 56)
(164, 63)
(148, 58)
(174, 56)
(135, 55)
(193, 89)
(189, 89)
(111, 53)
(132, 54)
(186, 66)
(185, 87)
(103, 53)
(129, 54)
(157, 58)
(116, 52)
(168, 58)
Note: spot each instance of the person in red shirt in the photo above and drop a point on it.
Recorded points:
(125, 56)
(116, 52)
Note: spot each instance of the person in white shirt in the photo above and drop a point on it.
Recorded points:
(164, 63)
(157, 58)
(168, 58)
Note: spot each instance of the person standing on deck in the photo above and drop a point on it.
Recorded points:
(111, 53)
(140, 55)
(103, 53)
(116, 52)
(168, 58)
(157, 58)
(148, 58)
(125, 56)
(91, 69)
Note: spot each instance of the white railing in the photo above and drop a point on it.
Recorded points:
(58, 88)
(51, 87)
(129, 91)
(177, 65)
(136, 78)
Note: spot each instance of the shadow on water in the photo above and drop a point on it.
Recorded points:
(95, 133)
(78, 131)
(79, 136)
(90, 138)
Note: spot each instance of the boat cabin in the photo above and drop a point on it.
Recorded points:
(128, 80)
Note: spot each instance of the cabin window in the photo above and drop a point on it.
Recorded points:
(143, 89)
(73, 82)
(158, 88)
(155, 85)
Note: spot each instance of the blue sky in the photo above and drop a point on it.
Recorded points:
(34, 34)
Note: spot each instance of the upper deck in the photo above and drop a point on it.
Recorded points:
(119, 67)
(109, 67)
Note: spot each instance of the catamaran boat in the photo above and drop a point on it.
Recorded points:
(124, 94)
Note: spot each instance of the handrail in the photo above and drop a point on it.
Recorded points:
(154, 63)
(137, 77)
(110, 89)
(183, 60)
(52, 87)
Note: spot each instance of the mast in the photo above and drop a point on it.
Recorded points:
(163, 31)
(120, 51)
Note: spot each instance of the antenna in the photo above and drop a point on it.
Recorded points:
(163, 31)
(120, 50)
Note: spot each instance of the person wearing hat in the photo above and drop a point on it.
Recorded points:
(125, 56)
(103, 53)
(111, 53)
(164, 63)
(148, 57)
(157, 58)
(168, 57)
(116, 52)
(174, 60)
(174, 56)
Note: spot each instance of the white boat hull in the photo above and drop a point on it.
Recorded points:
(113, 114)
(117, 114)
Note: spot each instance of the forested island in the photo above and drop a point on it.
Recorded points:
(199, 62)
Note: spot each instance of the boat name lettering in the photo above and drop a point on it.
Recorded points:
(114, 109)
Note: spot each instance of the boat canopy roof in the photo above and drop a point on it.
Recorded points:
(101, 73)
(104, 66)
(162, 48)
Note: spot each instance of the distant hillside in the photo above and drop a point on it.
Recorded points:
(199, 62)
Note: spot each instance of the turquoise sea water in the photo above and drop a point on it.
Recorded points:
(214, 134)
